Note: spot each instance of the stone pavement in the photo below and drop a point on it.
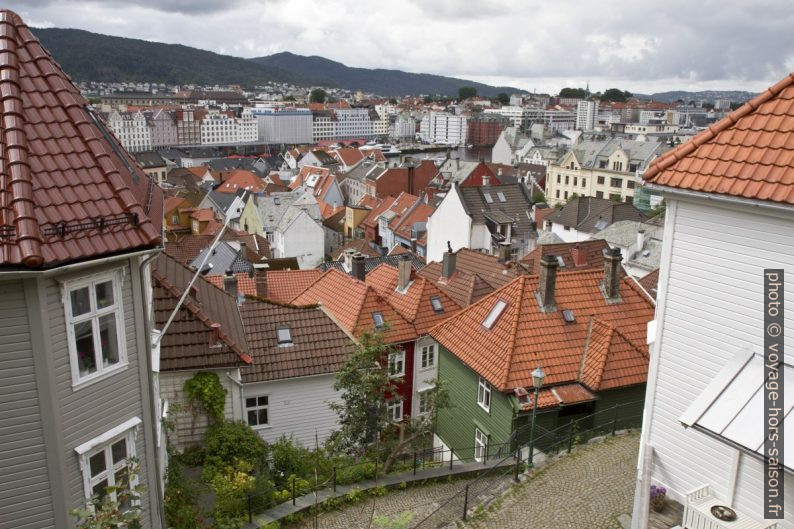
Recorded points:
(589, 489)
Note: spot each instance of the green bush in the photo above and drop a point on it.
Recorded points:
(192, 456)
(229, 441)
(205, 388)
(355, 473)
(180, 503)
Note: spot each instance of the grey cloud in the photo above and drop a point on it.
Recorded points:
(198, 7)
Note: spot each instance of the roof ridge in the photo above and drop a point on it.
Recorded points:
(20, 204)
(601, 361)
(260, 299)
(672, 157)
(642, 351)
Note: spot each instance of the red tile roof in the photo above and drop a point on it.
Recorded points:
(240, 179)
(524, 336)
(363, 246)
(353, 303)
(246, 284)
(319, 345)
(748, 154)
(348, 156)
(589, 253)
(188, 342)
(414, 304)
(68, 190)
(285, 285)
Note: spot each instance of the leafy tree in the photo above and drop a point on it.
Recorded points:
(428, 99)
(392, 101)
(289, 98)
(581, 93)
(503, 98)
(366, 390)
(538, 196)
(466, 92)
(318, 95)
(614, 94)
(229, 441)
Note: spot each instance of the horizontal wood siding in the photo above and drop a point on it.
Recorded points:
(189, 429)
(25, 497)
(713, 307)
(94, 409)
(297, 408)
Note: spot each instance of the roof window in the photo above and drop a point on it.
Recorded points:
(437, 306)
(377, 317)
(560, 261)
(284, 336)
(568, 316)
(488, 198)
(496, 311)
(501, 196)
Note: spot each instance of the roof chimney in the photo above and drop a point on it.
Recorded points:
(612, 272)
(358, 270)
(413, 244)
(261, 283)
(404, 270)
(579, 256)
(243, 247)
(448, 264)
(548, 280)
(215, 334)
(504, 252)
(640, 240)
(230, 282)
(348, 255)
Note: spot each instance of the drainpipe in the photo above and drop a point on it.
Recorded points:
(240, 388)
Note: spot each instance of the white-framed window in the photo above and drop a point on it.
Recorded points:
(394, 410)
(496, 311)
(284, 336)
(480, 445)
(435, 301)
(256, 410)
(397, 364)
(484, 394)
(377, 318)
(428, 356)
(425, 400)
(106, 461)
(94, 326)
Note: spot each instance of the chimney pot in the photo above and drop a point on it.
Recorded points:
(358, 270)
(548, 281)
(612, 273)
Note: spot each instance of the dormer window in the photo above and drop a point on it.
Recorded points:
(496, 311)
(437, 306)
(284, 336)
(377, 317)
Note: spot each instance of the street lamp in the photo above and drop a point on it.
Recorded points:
(537, 381)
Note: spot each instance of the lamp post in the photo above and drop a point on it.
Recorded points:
(537, 381)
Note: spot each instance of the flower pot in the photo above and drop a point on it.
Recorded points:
(658, 503)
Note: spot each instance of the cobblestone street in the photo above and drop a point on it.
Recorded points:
(586, 490)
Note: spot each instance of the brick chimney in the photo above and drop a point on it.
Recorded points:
(548, 280)
(358, 270)
(612, 273)
(230, 283)
(215, 334)
(448, 264)
(579, 256)
(243, 247)
(404, 271)
(504, 252)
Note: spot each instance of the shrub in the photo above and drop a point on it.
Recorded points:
(192, 456)
(355, 473)
(231, 484)
(205, 388)
(180, 499)
(228, 441)
(290, 458)
(355, 495)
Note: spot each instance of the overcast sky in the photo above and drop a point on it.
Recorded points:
(544, 45)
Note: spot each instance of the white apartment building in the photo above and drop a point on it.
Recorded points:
(404, 127)
(131, 129)
(283, 125)
(222, 128)
(246, 127)
(440, 127)
(385, 110)
(353, 123)
(586, 112)
(323, 125)
(515, 113)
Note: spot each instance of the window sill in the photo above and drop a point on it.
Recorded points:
(90, 380)
(261, 427)
(487, 410)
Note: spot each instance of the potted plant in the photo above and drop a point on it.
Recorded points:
(658, 498)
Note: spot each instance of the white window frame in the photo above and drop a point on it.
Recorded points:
(93, 316)
(395, 358)
(428, 356)
(394, 410)
(284, 343)
(480, 445)
(484, 394)
(423, 393)
(257, 407)
(103, 443)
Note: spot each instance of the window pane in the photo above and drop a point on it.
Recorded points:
(262, 416)
(99, 489)
(97, 463)
(84, 345)
(263, 401)
(250, 402)
(119, 450)
(104, 294)
(252, 418)
(81, 301)
(109, 339)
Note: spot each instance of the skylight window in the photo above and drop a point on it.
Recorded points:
(568, 316)
(488, 198)
(501, 196)
(436, 302)
(284, 336)
(560, 261)
(496, 311)
(377, 317)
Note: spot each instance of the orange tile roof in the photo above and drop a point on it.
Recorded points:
(590, 254)
(353, 302)
(524, 336)
(349, 156)
(203, 215)
(240, 179)
(748, 154)
(172, 203)
(245, 284)
(285, 285)
(415, 303)
(305, 172)
(360, 245)
(421, 213)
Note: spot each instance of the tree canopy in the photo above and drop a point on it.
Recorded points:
(466, 92)
(318, 95)
(581, 93)
(503, 98)
(615, 94)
